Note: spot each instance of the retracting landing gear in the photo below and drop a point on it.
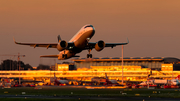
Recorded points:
(64, 55)
(89, 55)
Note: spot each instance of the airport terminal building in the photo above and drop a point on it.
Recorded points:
(134, 69)
(154, 63)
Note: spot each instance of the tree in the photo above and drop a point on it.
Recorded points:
(43, 67)
(6, 65)
(27, 66)
(14, 65)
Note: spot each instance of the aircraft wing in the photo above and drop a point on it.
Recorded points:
(50, 56)
(114, 44)
(48, 45)
(92, 44)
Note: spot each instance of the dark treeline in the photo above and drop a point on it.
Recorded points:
(43, 67)
(14, 65)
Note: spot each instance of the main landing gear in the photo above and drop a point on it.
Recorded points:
(89, 55)
(64, 55)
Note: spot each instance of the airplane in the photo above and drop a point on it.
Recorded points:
(105, 81)
(78, 43)
(111, 82)
(60, 82)
(55, 80)
(174, 82)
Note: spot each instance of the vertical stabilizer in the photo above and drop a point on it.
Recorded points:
(59, 38)
(106, 76)
(55, 76)
(177, 77)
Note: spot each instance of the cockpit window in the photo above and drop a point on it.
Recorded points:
(88, 26)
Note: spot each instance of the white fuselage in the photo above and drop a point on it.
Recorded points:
(170, 82)
(175, 82)
(80, 40)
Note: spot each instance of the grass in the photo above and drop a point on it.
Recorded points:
(36, 99)
(68, 91)
(58, 91)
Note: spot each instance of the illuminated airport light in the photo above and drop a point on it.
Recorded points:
(166, 67)
(63, 67)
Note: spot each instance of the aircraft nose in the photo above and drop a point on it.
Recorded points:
(88, 28)
(91, 30)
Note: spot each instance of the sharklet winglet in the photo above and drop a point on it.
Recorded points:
(15, 41)
(127, 40)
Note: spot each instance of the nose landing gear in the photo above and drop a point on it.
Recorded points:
(89, 55)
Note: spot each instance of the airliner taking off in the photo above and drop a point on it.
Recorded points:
(78, 43)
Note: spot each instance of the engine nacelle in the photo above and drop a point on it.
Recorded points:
(100, 45)
(62, 45)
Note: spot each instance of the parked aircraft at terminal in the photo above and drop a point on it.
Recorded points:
(175, 82)
(78, 43)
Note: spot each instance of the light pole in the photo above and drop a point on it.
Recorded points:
(19, 65)
(122, 64)
(11, 62)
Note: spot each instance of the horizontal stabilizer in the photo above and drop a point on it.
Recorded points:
(49, 56)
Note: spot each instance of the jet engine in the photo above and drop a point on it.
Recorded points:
(62, 45)
(100, 45)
